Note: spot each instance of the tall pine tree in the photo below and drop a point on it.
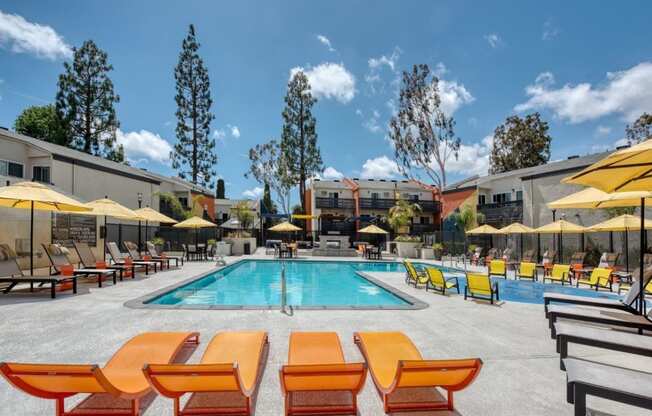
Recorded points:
(194, 153)
(299, 137)
(85, 102)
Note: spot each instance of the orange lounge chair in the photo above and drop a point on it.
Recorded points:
(116, 388)
(405, 381)
(223, 383)
(317, 380)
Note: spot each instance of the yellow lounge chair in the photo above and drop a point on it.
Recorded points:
(480, 286)
(414, 277)
(116, 388)
(223, 383)
(599, 278)
(317, 380)
(397, 367)
(439, 283)
(560, 273)
(527, 271)
(498, 268)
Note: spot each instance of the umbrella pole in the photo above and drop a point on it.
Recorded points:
(561, 247)
(641, 302)
(106, 232)
(538, 247)
(31, 240)
(521, 247)
(146, 230)
(626, 251)
(611, 241)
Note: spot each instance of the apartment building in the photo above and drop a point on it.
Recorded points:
(343, 206)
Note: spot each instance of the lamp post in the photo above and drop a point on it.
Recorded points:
(140, 203)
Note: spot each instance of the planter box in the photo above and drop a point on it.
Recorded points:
(407, 250)
(237, 245)
(427, 253)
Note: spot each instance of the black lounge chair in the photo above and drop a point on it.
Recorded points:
(628, 303)
(586, 378)
(151, 249)
(116, 257)
(600, 338)
(58, 258)
(11, 275)
(133, 251)
(88, 260)
(614, 318)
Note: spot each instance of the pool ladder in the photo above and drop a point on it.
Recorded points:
(283, 288)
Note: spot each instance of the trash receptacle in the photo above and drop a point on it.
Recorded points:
(247, 248)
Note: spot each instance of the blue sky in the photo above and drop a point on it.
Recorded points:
(587, 68)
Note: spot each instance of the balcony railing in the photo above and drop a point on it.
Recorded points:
(429, 206)
(335, 203)
(502, 213)
(376, 203)
(418, 229)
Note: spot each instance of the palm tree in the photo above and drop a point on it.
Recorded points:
(401, 214)
(465, 219)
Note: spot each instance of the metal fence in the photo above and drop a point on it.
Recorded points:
(173, 237)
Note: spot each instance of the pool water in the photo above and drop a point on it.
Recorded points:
(309, 283)
(257, 283)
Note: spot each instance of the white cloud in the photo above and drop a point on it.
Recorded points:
(372, 123)
(330, 80)
(624, 92)
(602, 130)
(21, 36)
(453, 95)
(440, 69)
(384, 60)
(326, 42)
(384, 63)
(235, 131)
(494, 40)
(473, 159)
(253, 193)
(219, 134)
(381, 167)
(332, 173)
(144, 144)
(550, 30)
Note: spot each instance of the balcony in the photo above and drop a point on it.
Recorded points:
(335, 203)
(429, 206)
(376, 203)
(502, 213)
(418, 229)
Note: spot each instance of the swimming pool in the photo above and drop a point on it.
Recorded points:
(256, 284)
(313, 284)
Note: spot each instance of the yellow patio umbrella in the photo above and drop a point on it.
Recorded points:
(592, 198)
(148, 214)
(196, 223)
(625, 170)
(284, 227)
(34, 195)
(517, 228)
(373, 229)
(623, 223)
(560, 227)
(485, 229)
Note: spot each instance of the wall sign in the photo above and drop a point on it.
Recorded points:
(67, 228)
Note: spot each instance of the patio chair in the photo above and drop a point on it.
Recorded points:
(317, 380)
(628, 303)
(117, 258)
(560, 273)
(134, 253)
(116, 388)
(11, 275)
(88, 260)
(577, 262)
(614, 318)
(492, 254)
(480, 286)
(608, 260)
(225, 381)
(439, 283)
(271, 246)
(155, 255)
(548, 260)
(599, 278)
(498, 268)
(414, 277)
(527, 271)
(507, 255)
(57, 255)
(476, 256)
(396, 364)
(586, 378)
(599, 338)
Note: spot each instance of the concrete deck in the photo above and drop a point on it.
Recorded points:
(521, 373)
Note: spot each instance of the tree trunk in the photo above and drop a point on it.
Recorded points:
(302, 167)
(87, 115)
(194, 128)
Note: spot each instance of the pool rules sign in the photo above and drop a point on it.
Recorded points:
(67, 228)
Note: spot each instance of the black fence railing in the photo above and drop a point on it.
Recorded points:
(173, 237)
(501, 214)
(376, 203)
(335, 203)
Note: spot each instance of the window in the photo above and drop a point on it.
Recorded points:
(11, 169)
(425, 220)
(333, 195)
(519, 195)
(385, 194)
(502, 198)
(374, 195)
(482, 199)
(183, 201)
(41, 174)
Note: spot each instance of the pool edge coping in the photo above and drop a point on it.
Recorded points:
(141, 302)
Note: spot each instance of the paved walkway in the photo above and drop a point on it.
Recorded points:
(521, 374)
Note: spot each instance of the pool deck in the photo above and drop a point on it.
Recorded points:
(520, 376)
